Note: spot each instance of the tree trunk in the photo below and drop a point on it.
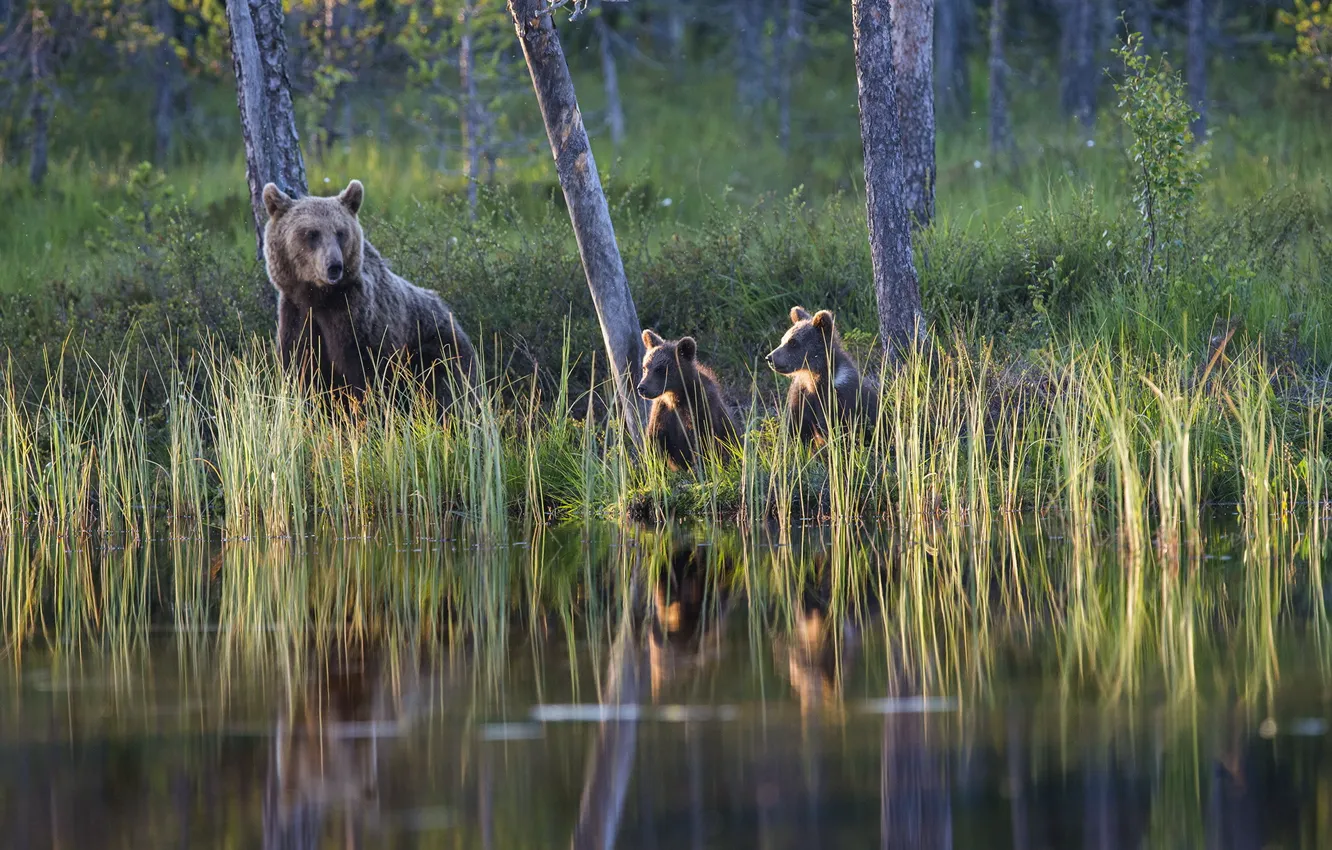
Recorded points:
(895, 283)
(1196, 71)
(577, 172)
(789, 62)
(611, 79)
(1078, 67)
(915, 805)
(913, 63)
(1001, 133)
(675, 34)
(952, 89)
(263, 93)
(1140, 20)
(164, 71)
(746, 20)
(471, 120)
(39, 106)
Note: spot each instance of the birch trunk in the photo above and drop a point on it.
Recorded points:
(895, 285)
(583, 195)
(913, 63)
(1001, 133)
(263, 93)
(611, 80)
(1196, 69)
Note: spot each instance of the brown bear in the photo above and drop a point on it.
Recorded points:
(688, 410)
(342, 309)
(811, 353)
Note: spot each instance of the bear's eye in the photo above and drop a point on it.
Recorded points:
(312, 237)
(342, 236)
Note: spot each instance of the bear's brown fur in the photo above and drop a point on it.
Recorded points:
(342, 310)
(823, 373)
(688, 410)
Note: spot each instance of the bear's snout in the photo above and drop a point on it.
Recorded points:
(643, 391)
(334, 271)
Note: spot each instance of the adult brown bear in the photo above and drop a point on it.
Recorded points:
(342, 310)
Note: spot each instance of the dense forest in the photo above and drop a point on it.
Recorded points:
(728, 141)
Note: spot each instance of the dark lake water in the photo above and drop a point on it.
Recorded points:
(696, 688)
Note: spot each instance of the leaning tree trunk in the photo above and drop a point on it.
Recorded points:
(1196, 70)
(263, 93)
(895, 283)
(1001, 132)
(577, 172)
(471, 118)
(611, 80)
(913, 63)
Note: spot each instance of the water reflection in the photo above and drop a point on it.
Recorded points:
(703, 689)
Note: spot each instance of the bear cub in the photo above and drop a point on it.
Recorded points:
(811, 354)
(342, 310)
(688, 410)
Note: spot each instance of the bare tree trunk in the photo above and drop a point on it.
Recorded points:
(1140, 19)
(949, 62)
(747, 22)
(611, 80)
(1001, 133)
(1196, 70)
(789, 61)
(39, 104)
(913, 62)
(263, 93)
(577, 172)
(164, 73)
(471, 120)
(895, 285)
(675, 34)
(1078, 72)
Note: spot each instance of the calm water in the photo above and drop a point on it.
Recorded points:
(678, 690)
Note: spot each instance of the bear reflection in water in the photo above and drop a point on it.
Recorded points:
(325, 756)
(689, 605)
(820, 646)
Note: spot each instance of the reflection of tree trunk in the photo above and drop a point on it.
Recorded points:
(610, 764)
(1001, 134)
(913, 66)
(1196, 70)
(1017, 781)
(268, 122)
(787, 73)
(471, 121)
(611, 79)
(915, 804)
(583, 195)
(895, 284)
(164, 80)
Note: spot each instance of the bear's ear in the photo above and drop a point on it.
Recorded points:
(687, 347)
(352, 196)
(799, 314)
(276, 201)
(652, 340)
(823, 320)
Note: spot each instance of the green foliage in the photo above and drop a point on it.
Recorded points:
(1167, 166)
(1310, 59)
